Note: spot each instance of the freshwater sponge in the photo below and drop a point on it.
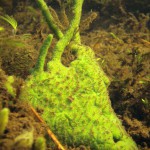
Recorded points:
(76, 103)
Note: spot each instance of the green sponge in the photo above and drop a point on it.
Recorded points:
(76, 103)
(74, 99)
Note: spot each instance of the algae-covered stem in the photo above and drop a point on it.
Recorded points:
(49, 18)
(74, 24)
(39, 66)
(73, 27)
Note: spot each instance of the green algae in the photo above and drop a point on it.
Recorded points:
(4, 116)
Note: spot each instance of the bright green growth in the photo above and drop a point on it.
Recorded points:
(40, 144)
(1, 28)
(11, 21)
(4, 116)
(9, 87)
(74, 99)
(76, 104)
(49, 19)
(43, 52)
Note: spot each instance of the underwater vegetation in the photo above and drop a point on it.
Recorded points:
(40, 143)
(11, 21)
(4, 116)
(74, 100)
(1, 29)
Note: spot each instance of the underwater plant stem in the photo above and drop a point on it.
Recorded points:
(49, 18)
(50, 133)
(4, 116)
(11, 21)
(74, 25)
(42, 55)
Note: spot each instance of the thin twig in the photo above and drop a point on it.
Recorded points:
(50, 133)
(145, 41)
